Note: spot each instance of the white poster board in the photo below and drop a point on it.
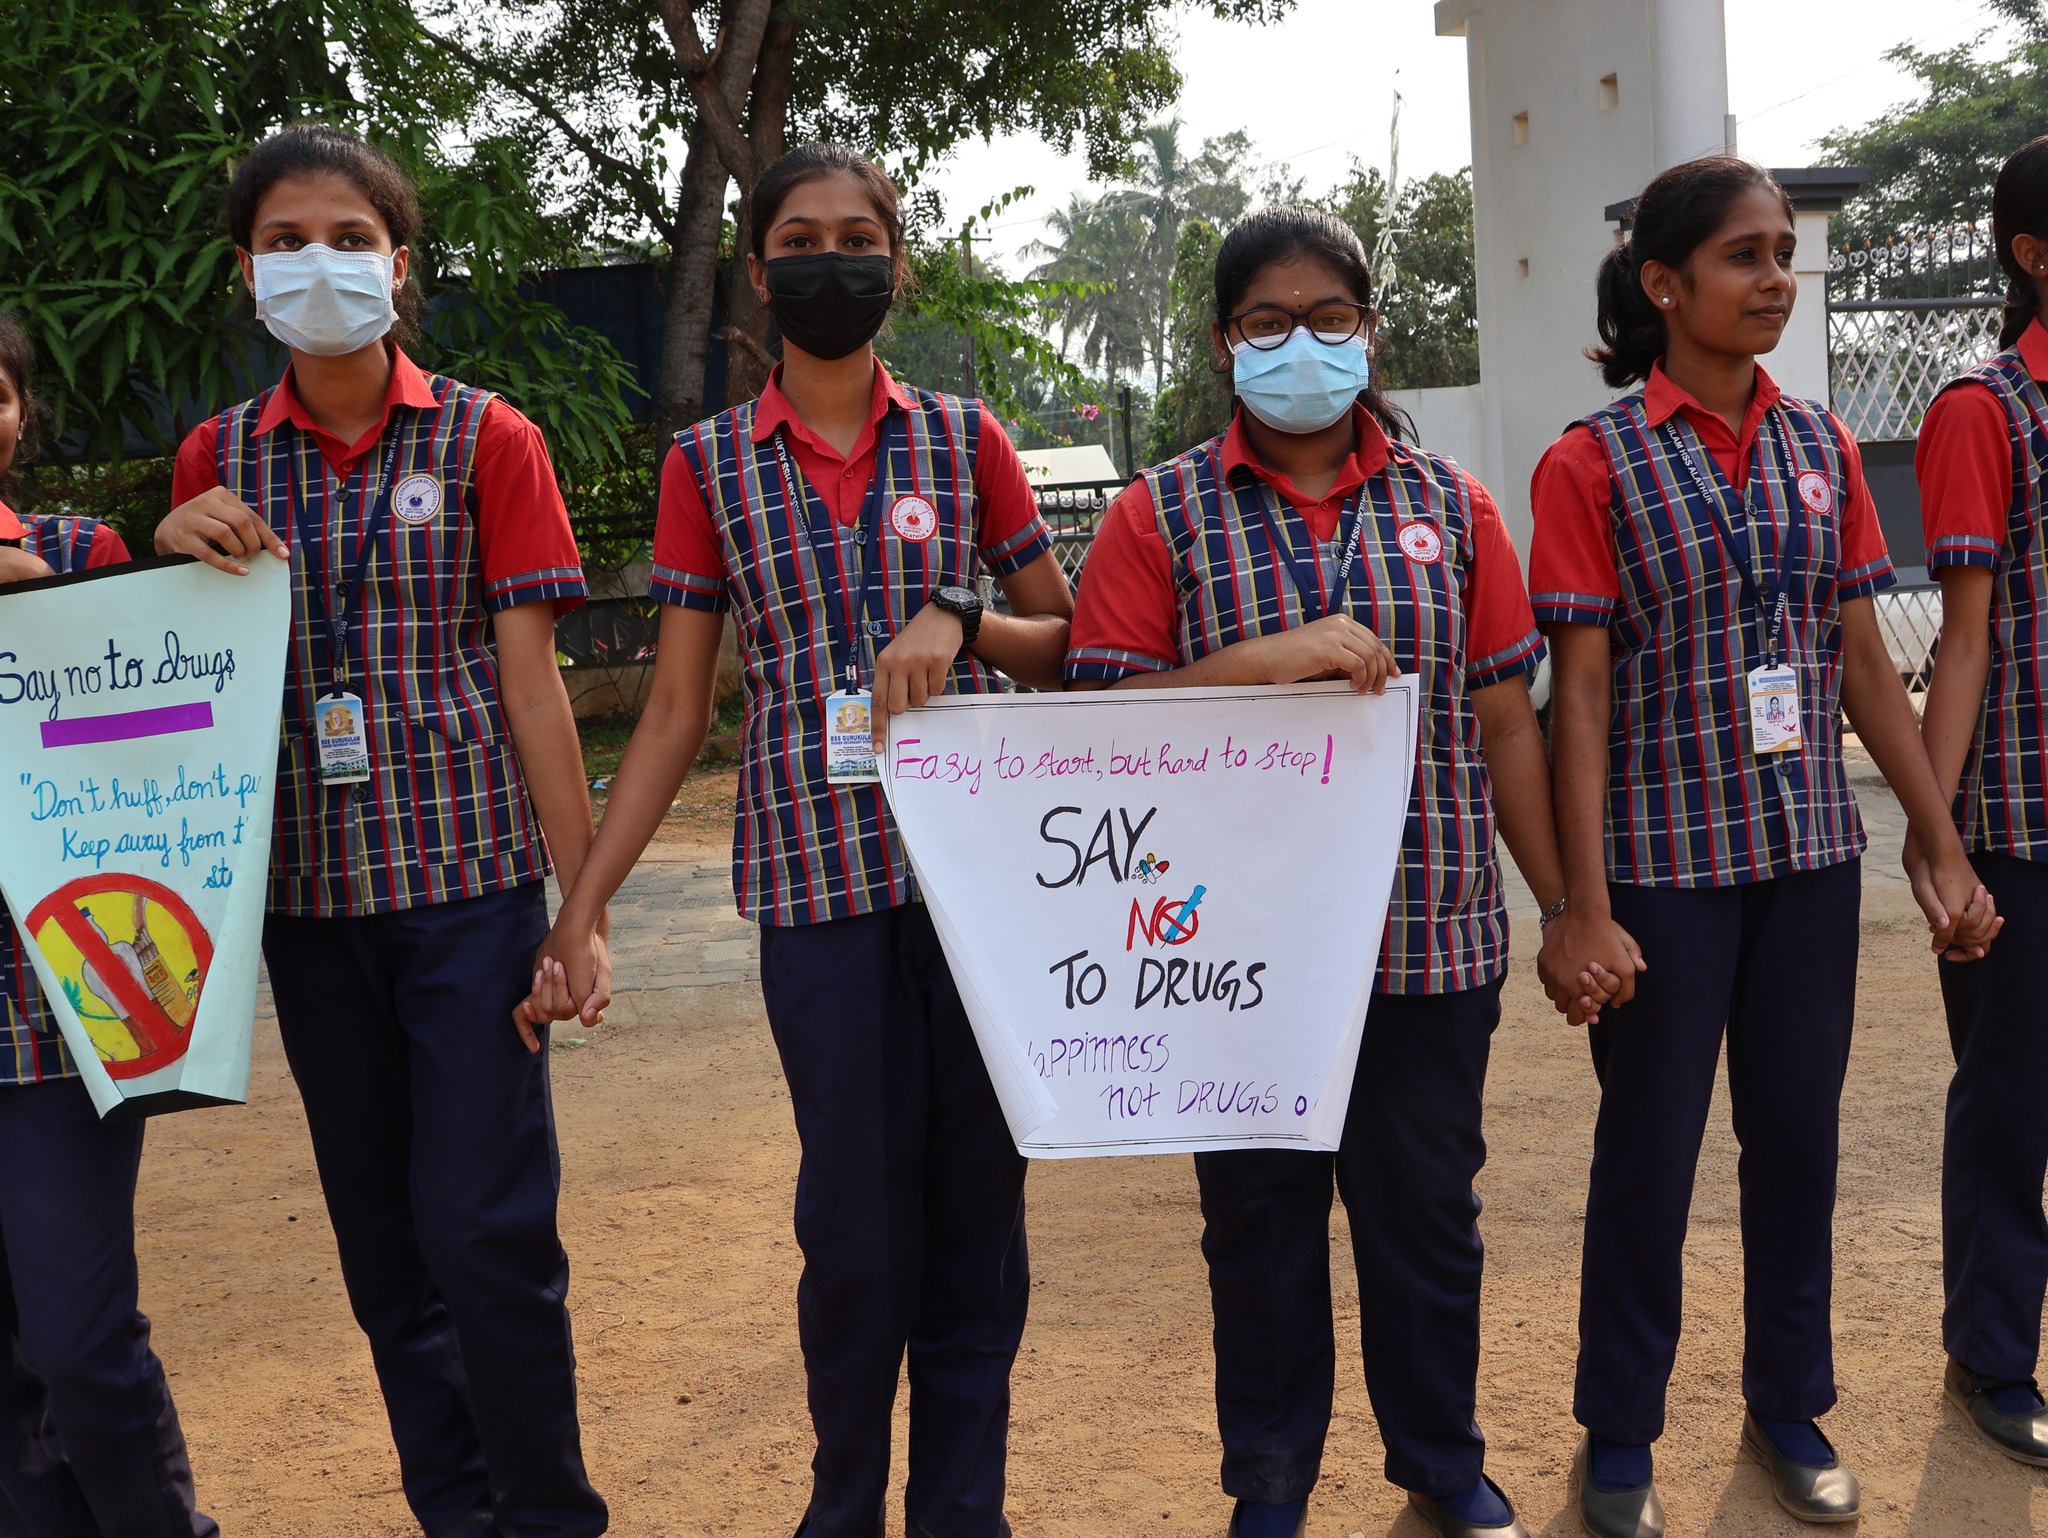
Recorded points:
(139, 711)
(1163, 907)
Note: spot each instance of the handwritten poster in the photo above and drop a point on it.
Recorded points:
(139, 715)
(1163, 907)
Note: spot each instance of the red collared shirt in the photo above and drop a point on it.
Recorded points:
(10, 526)
(522, 527)
(1982, 463)
(1626, 538)
(686, 541)
(476, 526)
(1194, 557)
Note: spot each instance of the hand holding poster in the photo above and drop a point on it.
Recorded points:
(139, 713)
(1163, 907)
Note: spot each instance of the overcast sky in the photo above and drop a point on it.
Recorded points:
(1795, 72)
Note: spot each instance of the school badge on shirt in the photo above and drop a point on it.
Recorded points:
(417, 498)
(914, 519)
(1816, 493)
(1421, 542)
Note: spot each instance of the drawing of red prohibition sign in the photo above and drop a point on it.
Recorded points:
(162, 1040)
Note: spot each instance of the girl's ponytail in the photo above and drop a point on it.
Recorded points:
(1675, 215)
(1631, 328)
(2019, 206)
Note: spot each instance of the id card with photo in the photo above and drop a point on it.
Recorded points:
(344, 740)
(1774, 710)
(850, 740)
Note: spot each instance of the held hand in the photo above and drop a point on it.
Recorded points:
(220, 529)
(1588, 963)
(1333, 647)
(914, 667)
(1961, 916)
(18, 565)
(572, 979)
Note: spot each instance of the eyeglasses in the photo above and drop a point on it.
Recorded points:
(1266, 326)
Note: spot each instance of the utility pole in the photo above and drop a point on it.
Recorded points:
(1130, 456)
(967, 268)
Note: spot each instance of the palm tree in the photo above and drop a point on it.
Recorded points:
(1128, 239)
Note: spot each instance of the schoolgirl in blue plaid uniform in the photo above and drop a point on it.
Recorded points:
(1982, 465)
(430, 552)
(90, 1445)
(1308, 541)
(1704, 557)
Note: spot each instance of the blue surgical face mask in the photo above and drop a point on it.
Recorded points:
(1303, 385)
(323, 301)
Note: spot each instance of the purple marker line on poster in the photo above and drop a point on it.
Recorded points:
(127, 725)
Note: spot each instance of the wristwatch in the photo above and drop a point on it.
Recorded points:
(966, 603)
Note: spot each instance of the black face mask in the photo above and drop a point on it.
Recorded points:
(830, 304)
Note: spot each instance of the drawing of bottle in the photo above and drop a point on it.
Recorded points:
(156, 974)
(125, 954)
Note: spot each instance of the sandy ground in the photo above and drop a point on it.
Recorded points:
(679, 1158)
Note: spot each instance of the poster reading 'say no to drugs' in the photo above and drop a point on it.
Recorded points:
(139, 712)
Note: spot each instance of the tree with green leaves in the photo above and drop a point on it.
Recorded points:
(1933, 159)
(1197, 404)
(641, 112)
(123, 120)
(1429, 320)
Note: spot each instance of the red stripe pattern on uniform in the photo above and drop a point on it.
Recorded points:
(1447, 926)
(804, 850)
(1688, 802)
(445, 814)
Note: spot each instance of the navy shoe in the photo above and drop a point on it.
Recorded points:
(1267, 1519)
(1448, 1524)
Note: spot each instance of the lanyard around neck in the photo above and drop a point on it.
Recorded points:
(330, 636)
(1307, 583)
(1768, 592)
(843, 639)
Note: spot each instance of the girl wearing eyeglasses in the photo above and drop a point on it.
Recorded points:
(1308, 542)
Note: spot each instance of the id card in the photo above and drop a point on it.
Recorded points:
(1774, 710)
(344, 740)
(850, 740)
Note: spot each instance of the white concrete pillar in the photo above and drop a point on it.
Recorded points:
(1689, 58)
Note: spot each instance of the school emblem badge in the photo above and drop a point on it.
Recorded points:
(1421, 542)
(417, 498)
(1815, 492)
(914, 519)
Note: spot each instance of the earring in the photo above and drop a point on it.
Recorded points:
(1664, 299)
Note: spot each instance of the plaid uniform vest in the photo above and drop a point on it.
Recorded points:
(1447, 924)
(444, 815)
(804, 850)
(2001, 804)
(1688, 802)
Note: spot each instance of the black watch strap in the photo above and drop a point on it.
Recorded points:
(967, 605)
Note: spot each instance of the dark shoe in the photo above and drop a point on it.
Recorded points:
(2022, 1435)
(1450, 1525)
(1633, 1513)
(1300, 1527)
(1811, 1492)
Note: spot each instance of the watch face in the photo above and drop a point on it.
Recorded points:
(959, 595)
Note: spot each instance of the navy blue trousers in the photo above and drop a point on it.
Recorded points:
(910, 1213)
(435, 1137)
(1994, 1236)
(89, 1441)
(1772, 966)
(1411, 1149)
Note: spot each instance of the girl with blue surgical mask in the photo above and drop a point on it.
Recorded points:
(428, 776)
(1308, 541)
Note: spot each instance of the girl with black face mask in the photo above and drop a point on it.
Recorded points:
(844, 521)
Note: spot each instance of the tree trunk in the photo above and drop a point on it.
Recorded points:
(767, 131)
(692, 286)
